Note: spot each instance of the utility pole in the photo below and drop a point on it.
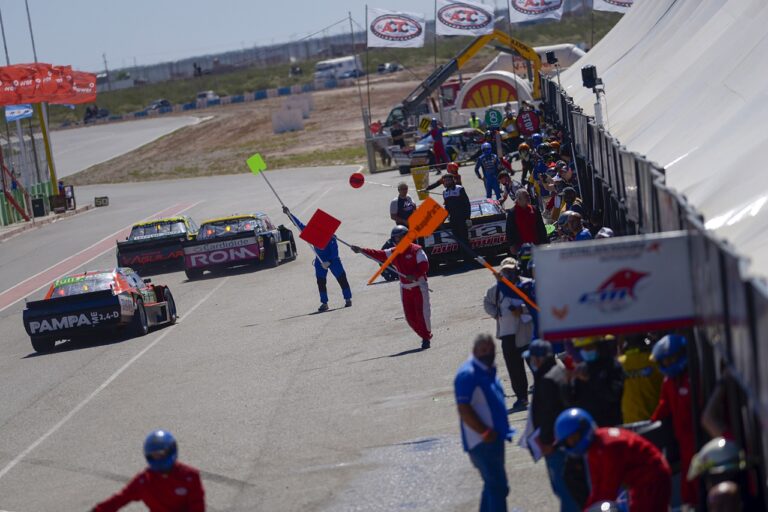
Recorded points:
(106, 72)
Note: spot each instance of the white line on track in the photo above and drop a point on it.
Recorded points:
(80, 252)
(8, 467)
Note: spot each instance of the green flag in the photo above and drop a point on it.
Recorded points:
(256, 164)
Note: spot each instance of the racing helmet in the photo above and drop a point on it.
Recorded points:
(398, 232)
(544, 149)
(489, 135)
(523, 147)
(434, 122)
(536, 138)
(555, 145)
(525, 253)
(670, 353)
(572, 421)
(160, 450)
(486, 147)
(718, 456)
(452, 167)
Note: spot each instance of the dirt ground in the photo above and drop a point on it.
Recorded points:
(333, 134)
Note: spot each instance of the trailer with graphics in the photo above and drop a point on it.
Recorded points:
(487, 236)
(156, 244)
(235, 241)
(103, 302)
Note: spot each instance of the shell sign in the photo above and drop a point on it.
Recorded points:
(489, 92)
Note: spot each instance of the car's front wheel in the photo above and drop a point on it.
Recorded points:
(193, 273)
(171, 305)
(139, 324)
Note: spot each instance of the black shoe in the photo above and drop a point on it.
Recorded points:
(323, 307)
(348, 303)
(520, 405)
(425, 344)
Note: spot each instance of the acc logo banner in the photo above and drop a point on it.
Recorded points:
(615, 293)
(532, 10)
(612, 5)
(467, 18)
(390, 29)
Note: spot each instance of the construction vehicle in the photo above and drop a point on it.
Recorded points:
(417, 102)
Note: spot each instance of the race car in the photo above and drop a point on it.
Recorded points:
(102, 301)
(156, 244)
(250, 239)
(488, 236)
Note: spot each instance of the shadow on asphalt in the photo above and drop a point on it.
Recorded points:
(88, 341)
(234, 271)
(399, 354)
(307, 314)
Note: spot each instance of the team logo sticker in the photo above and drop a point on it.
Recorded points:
(536, 7)
(395, 27)
(464, 17)
(615, 293)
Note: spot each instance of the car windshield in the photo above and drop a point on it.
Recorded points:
(228, 227)
(481, 209)
(157, 229)
(75, 285)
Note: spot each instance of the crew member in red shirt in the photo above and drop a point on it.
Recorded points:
(675, 402)
(525, 224)
(165, 486)
(616, 459)
(413, 266)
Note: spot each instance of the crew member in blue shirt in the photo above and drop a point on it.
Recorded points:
(327, 259)
(484, 424)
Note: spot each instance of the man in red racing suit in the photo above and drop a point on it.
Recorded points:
(413, 266)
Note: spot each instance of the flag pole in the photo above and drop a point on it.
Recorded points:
(367, 65)
(435, 38)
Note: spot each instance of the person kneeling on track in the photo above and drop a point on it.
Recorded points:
(326, 258)
(165, 485)
(413, 266)
(616, 459)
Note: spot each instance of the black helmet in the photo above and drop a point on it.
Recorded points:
(398, 232)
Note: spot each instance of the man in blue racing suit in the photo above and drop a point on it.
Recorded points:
(326, 259)
(491, 165)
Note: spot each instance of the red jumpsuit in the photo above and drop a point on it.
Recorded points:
(675, 401)
(415, 294)
(438, 147)
(619, 458)
(179, 490)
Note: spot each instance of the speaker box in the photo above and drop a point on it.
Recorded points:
(551, 59)
(589, 76)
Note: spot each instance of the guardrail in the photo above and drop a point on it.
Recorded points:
(732, 329)
(246, 97)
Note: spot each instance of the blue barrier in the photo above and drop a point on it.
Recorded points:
(189, 106)
(143, 113)
(212, 103)
(284, 91)
(165, 110)
(260, 95)
(115, 118)
(331, 84)
(237, 99)
(308, 87)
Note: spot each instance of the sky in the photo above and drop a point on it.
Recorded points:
(78, 32)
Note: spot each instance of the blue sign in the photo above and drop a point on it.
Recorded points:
(18, 112)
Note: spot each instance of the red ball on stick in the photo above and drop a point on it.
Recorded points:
(357, 180)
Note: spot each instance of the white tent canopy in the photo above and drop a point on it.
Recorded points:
(687, 85)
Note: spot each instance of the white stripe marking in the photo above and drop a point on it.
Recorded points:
(101, 388)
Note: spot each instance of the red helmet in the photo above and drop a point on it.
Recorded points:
(452, 168)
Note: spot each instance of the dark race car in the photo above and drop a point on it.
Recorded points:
(487, 236)
(105, 301)
(156, 244)
(238, 240)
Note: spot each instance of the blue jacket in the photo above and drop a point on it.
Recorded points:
(331, 251)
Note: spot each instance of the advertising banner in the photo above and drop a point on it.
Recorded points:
(464, 18)
(390, 29)
(628, 284)
(18, 112)
(612, 5)
(420, 181)
(535, 10)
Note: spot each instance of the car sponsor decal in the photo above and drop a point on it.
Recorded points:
(230, 251)
(215, 246)
(147, 258)
(126, 305)
(480, 236)
(58, 323)
(68, 280)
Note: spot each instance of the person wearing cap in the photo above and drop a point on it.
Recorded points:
(483, 421)
(597, 383)
(402, 206)
(549, 380)
(165, 485)
(524, 223)
(513, 324)
(604, 232)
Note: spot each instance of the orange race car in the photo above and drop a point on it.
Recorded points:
(102, 301)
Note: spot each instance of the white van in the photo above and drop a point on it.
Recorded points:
(343, 67)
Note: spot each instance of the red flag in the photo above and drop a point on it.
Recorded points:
(83, 89)
(320, 229)
(51, 82)
(14, 80)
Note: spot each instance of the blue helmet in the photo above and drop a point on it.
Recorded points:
(434, 122)
(160, 450)
(536, 138)
(671, 346)
(571, 421)
(486, 147)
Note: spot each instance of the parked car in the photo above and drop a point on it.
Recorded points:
(389, 67)
(205, 96)
(161, 103)
(354, 73)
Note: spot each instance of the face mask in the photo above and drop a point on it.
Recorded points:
(589, 355)
(487, 359)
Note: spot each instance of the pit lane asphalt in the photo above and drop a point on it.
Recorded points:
(280, 408)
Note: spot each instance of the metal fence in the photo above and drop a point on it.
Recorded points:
(630, 193)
